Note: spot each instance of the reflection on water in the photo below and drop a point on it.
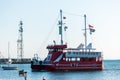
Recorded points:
(111, 72)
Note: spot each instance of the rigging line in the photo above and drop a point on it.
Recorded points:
(50, 32)
(73, 14)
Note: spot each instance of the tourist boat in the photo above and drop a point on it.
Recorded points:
(61, 58)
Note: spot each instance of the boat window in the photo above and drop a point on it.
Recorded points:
(95, 53)
(78, 59)
(59, 50)
(66, 59)
(96, 59)
(73, 59)
(69, 53)
(69, 59)
(100, 59)
(74, 53)
(50, 50)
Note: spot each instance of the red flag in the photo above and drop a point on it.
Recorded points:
(90, 26)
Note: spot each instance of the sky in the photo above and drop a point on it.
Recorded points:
(40, 25)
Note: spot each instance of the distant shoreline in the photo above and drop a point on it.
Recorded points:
(16, 61)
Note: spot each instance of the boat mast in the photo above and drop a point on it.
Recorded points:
(85, 32)
(9, 59)
(60, 27)
(8, 51)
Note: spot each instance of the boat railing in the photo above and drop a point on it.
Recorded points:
(80, 50)
(36, 59)
(83, 54)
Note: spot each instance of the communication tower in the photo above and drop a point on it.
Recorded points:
(20, 43)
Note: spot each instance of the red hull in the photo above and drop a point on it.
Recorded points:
(73, 67)
(39, 68)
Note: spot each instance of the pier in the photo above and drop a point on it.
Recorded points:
(16, 61)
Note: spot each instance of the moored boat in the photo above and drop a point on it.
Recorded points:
(9, 62)
(61, 58)
(10, 68)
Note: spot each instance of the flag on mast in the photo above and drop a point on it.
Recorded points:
(90, 26)
(64, 17)
(60, 30)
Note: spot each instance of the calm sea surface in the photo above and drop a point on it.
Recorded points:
(111, 72)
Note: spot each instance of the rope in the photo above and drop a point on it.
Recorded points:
(73, 14)
(50, 32)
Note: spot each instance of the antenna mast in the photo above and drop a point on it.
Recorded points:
(60, 27)
(20, 42)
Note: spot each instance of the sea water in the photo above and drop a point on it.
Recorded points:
(111, 72)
